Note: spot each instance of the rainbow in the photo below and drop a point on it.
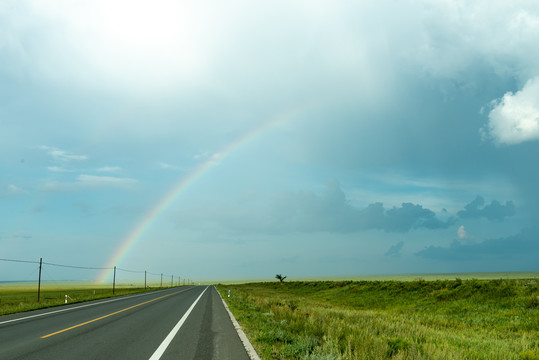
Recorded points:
(143, 225)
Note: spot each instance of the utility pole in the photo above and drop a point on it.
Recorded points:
(114, 281)
(161, 279)
(39, 281)
(144, 279)
(172, 281)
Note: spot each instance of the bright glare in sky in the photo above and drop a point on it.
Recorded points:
(143, 45)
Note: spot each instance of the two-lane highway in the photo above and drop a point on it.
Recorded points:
(177, 323)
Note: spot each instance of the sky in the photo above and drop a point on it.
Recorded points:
(233, 140)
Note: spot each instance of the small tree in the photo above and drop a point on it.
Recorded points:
(280, 277)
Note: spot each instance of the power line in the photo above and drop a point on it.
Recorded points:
(78, 267)
(21, 261)
(84, 267)
(131, 271)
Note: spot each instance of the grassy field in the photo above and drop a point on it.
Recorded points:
(417, 319)
(385, 277)
(18, 297)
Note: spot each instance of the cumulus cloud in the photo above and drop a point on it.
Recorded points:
(515, 117)
(461, 232)
(494, 211)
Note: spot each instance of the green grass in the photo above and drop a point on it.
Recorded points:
(442, 319)
(386, 277)
(19, 297)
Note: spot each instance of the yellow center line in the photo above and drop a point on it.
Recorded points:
(114, 313)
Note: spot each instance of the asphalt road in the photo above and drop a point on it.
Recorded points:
(177, 323)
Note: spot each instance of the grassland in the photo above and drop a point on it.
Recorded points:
(19, 297)
(386, 277)
(417, 319)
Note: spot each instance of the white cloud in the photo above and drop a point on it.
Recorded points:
(201, 155)
(62, 156)
(168, 166)
(57, 169)
(461, 232)
(214, 158)
(105, 181)
(515, 117)
(15, 190)
(85, 182)
(109, 169)
(451, 36)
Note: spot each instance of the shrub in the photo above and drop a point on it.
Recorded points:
(533, 302)
(529, 355)
(396, 345)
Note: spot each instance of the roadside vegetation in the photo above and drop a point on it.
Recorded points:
(14, 299)
(443, 319)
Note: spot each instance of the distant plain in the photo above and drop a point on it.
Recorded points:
(387, 277)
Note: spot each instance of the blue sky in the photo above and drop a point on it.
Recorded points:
(410, 146)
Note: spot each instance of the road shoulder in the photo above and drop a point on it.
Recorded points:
(246, 343)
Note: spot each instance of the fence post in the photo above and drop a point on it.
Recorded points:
(114, 281)
(39, 280)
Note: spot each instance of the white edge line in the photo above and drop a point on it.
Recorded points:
(161, 349)
(81, 306)
(246, 343)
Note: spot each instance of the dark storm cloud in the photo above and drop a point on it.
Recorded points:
(330, 211)
(399, 219)
(501, 248)
(395, 250)
(494, 211)
(410, 216)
